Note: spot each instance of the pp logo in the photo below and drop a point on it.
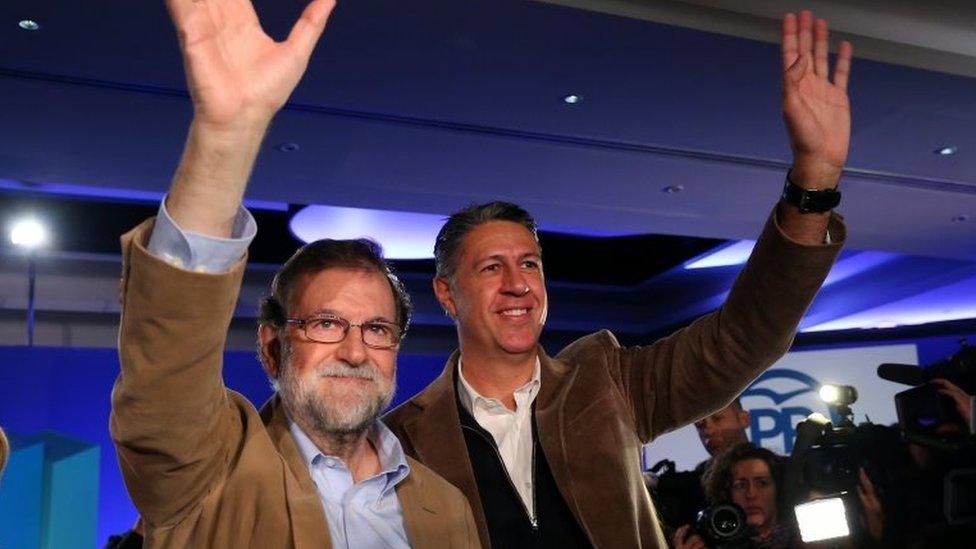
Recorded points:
(793, 396)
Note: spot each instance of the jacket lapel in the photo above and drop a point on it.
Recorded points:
(419, 512)
(435, 434)
(550, 409)
(308, 523)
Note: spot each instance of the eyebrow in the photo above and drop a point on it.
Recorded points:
(333, 312)
(501, 256)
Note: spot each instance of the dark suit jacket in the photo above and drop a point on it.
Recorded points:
(600, 402)
(203, 467)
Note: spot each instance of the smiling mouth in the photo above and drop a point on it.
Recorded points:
(514, 313)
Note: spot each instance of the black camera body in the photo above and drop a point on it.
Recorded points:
(722, 526)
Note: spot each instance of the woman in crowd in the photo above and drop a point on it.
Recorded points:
(748, 476)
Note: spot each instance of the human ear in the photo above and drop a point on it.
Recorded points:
(269, 350)
(442, 289)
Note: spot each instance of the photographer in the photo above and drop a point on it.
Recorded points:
(679, 496)
(748, 476)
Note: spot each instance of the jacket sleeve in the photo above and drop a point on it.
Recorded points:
(172, 421)
(704, 366)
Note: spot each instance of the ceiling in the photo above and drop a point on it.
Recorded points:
(427, 106)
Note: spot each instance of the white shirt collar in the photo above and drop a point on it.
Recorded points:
(469, 396)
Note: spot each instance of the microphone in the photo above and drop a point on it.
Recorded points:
(907, 374)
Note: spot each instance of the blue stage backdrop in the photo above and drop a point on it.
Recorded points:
(56, 402)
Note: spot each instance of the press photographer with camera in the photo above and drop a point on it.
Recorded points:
(678, 495)
(750, 477)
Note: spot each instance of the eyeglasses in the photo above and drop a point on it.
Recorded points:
(376, 334)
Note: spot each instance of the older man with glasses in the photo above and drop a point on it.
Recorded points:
(315, 467)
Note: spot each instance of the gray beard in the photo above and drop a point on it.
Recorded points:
(311, 410)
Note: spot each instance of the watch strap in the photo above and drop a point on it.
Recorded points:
(810, 200)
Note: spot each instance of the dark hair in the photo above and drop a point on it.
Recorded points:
(320, 255)
(461, 222)
(717, 479)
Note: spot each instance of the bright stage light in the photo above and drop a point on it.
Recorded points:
(29, 233)
(822, 519)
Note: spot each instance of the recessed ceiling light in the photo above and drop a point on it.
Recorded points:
(573, 99)
(673, 189)
(946, 151)
(288, 147)
(28, 24)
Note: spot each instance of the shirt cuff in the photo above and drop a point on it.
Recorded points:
(198, 252)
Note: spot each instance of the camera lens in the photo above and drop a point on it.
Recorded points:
(726, 521)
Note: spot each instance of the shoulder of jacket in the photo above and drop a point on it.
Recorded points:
(597, 342)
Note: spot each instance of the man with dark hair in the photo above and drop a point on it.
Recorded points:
(315, 467)
(723, 429)
(547, 449)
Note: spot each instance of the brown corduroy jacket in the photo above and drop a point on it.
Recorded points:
(599, 402)
(203, 467)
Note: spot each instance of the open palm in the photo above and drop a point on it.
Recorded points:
(236, 73)
(816, 110)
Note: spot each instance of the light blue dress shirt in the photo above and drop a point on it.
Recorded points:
(366, 514)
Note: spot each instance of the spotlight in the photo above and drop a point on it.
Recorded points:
(822, 519)
(838, 395)
(29, 233)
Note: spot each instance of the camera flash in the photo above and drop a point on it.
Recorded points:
(822, 519)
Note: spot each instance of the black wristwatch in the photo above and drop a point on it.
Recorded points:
(810, 200)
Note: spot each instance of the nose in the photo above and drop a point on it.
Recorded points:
(750, 491)
(352, 350)
(515, 282)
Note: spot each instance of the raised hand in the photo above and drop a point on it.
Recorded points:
(872, 517)
(235, 72)
(963, 402)
(816, 110)
(238, 78)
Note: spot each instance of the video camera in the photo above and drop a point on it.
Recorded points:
(823, 468)
(926, 416)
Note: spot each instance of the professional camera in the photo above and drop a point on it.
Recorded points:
(926, 416)
(722, 526)
(823, 466)
(823, 469)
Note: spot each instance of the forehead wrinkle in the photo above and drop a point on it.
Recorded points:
(302, 290)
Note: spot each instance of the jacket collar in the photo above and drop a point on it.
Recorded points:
(308, 523)
(435, 433)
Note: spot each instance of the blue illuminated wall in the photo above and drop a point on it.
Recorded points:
(63, 478)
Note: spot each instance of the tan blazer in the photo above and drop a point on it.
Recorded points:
(203, 467)
(599, 402)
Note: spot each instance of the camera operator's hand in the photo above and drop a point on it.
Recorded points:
(873, 517)
(693, 542)
(964, 402)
